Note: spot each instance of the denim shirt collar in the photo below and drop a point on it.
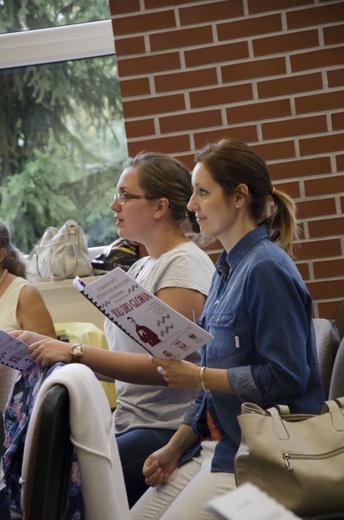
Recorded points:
(229, 261)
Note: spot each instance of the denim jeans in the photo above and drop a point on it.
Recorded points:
(134, 448)
(4, 507)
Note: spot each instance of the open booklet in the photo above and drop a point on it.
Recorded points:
(158, 328)
(13, 352)
(248, 502)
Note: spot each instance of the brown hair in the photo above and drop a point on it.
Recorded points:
(163, 176)
(13, 261)
(232, 162)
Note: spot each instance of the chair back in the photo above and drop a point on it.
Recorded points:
(326, 348)
(50, 459)
(337, 379)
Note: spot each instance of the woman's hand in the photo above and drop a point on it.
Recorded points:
(179, 374)
(159, 465)
(43, 349)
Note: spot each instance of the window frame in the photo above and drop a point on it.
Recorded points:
(68, 42)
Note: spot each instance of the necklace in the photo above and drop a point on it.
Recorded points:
(170, 244)
(3, 276)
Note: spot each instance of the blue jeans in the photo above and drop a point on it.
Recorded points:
(4, 507)
(134, 447)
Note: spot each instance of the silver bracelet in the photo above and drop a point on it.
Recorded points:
(202, 382)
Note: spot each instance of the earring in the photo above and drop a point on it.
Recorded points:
(237, 205)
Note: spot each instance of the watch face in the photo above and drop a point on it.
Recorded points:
(77, 350)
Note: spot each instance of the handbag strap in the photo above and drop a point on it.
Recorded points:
(336, 409)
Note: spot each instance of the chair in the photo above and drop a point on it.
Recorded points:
(339, 320)
(326, 344)
(51, 459)
(88, 426)
(337, 379)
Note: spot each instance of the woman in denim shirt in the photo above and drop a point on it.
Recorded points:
(260, 314)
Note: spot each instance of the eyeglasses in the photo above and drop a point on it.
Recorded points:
(122, 198)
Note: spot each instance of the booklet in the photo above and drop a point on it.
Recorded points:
(13, 352)
(247, 502)
(159, 329)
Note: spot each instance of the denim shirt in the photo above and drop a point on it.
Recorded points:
(260, 314)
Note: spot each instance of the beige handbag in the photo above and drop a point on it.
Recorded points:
(61, 253)
(296, 459)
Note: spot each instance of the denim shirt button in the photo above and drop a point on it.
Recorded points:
(216, 302)
(217, 320)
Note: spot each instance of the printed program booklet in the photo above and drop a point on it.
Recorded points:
(13, 352)
(158, 328)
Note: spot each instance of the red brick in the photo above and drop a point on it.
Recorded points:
(211, 54)
(292, 188)
(290, 85)
(221, 95)
(148, 64)
(258, 111)
(319, 248)
(319, 102)
(274, 151)
(338, 120)
(333, 34)
(324, 144)
(326, 289)
(316, 208)
(153, 105)
(180, 38)
(315, 15)
(134, 87)
(205, 12)
(190, 120)
(335, 77)
(153, 4)
(300, 168)
(293, 127)
(253, 69)
(303, 269)
(328, 309)
(246, 133)
(329, 268)
(325, 227)
(127, 46)
(139, 127)
(143, 22)
(249, 27)
(324, 186)
(185, 79)
(129, 6)
(322, 58)
(340, 162)
(172, 144)
(260, 6)
(285, 42)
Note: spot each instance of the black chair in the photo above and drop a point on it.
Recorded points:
(50, 460)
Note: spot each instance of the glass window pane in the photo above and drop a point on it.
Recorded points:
(62, 147)
(23, 15)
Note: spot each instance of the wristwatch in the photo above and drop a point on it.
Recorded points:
(76, 351)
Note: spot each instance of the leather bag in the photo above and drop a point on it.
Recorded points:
(296, 459)
(61, 253)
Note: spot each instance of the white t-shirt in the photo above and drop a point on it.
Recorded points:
(143, 406)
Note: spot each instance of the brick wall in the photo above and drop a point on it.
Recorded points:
(268, 72)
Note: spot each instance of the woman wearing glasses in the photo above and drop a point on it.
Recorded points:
(150, 207)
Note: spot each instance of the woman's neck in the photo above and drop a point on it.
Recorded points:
(164, 243)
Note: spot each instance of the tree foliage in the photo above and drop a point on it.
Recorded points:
(62, 141)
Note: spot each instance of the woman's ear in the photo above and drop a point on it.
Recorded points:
(161, 206)
(241, 194)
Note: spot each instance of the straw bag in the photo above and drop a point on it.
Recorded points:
(296, 459)
(60, 253)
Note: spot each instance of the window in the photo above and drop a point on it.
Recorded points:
(62, 142)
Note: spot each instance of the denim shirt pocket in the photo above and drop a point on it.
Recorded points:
(222, 326)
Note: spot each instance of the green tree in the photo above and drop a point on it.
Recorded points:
(62, 141)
